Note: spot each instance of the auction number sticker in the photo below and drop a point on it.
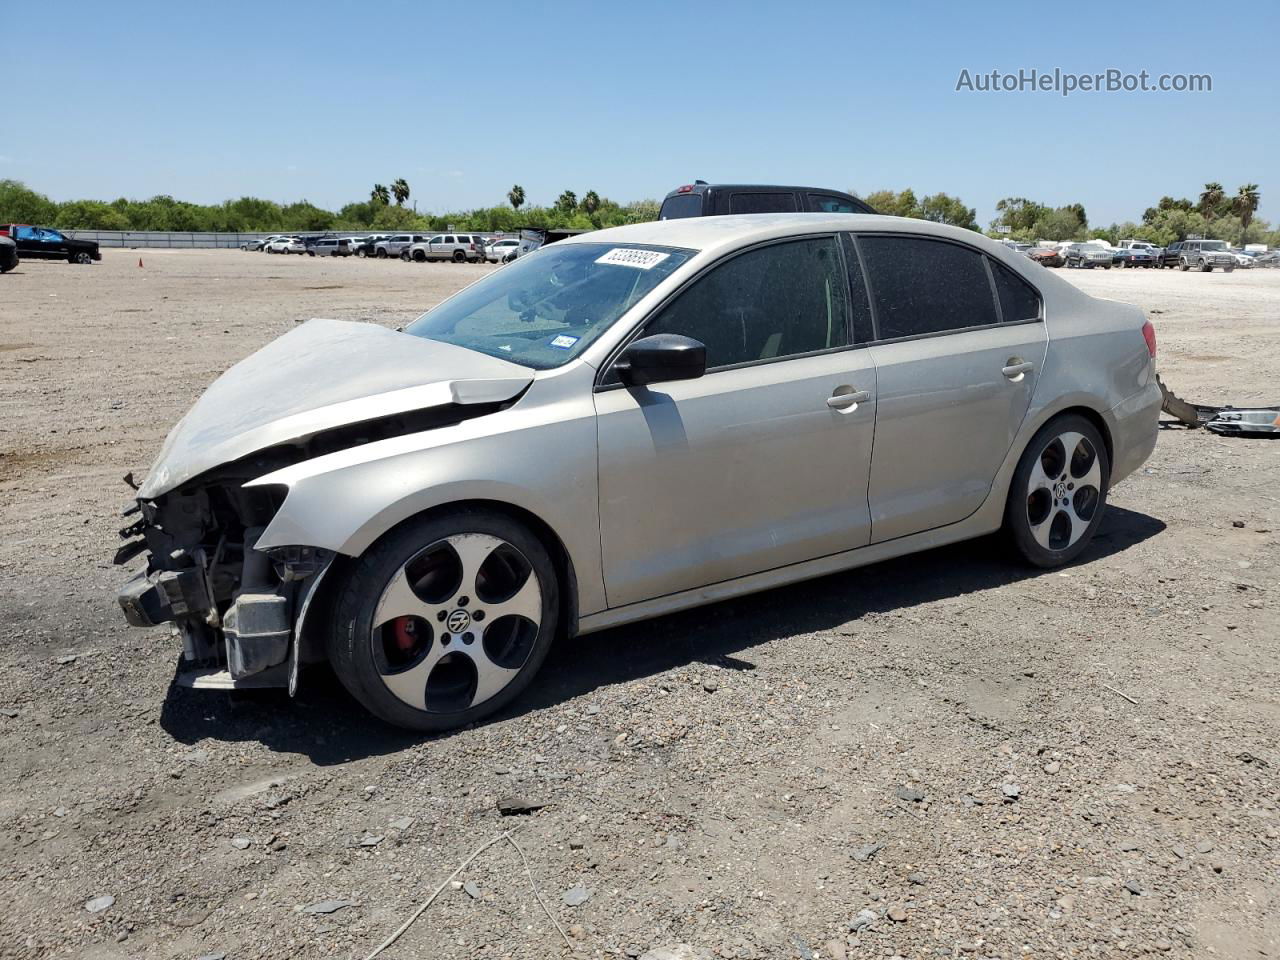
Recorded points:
(640, 259)
(564, 342)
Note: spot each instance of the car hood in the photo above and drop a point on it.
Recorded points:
(321, 375)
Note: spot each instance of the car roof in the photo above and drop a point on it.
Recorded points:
(727, 232)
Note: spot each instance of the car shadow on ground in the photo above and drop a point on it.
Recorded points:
(326, 725)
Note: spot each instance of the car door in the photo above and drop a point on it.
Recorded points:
(761, 462)
(54, 243)
(959, 344)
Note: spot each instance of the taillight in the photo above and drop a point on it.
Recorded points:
(1149, 334)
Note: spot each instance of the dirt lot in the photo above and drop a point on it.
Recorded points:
(819, 770)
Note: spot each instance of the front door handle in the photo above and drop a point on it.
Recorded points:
(1016, 367)
(847, 401)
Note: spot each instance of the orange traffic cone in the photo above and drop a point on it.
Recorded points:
(139, 261)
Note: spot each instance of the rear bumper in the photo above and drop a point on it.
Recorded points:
(1135, 425)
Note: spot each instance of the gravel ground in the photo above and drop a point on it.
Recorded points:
(941, 756)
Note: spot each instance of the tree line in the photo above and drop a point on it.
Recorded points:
(20, 204)
(1215, 213)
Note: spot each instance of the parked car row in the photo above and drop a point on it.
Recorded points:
(419, 247)
(1201, 255)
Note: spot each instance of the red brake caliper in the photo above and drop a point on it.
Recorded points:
(406, 633)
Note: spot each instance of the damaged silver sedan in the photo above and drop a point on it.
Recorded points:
(621, 425)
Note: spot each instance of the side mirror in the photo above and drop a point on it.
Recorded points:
(661, 358)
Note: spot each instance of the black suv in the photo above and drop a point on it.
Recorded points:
(43, 243)
(702, 199)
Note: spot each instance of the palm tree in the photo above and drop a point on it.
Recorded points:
(400, 188)
(591, 202)
(380, 194)
(567, 201)
(1245, 203)
(1211, 199)
(516, 196)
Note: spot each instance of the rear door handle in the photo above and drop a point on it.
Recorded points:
(1016, 368)
(846, 401)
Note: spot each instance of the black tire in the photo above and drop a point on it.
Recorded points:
(1227, 269)
(381, 253)
(311, 253)
(419, 256)
(459, 256)
(354, 647)
(362, 253)
(1184, 266)
(1023, 504)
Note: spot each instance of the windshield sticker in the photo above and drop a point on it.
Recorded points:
(564, 342)
(640, 259)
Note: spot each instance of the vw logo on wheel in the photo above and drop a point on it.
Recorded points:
(458, 621)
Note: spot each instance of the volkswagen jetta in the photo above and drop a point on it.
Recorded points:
(624, 424)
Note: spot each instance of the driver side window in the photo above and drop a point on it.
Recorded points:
(775, 301)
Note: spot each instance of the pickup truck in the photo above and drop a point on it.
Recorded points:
(44, 243)
(702, 199)
(8, 254)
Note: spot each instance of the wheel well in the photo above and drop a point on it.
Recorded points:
(1096, 419)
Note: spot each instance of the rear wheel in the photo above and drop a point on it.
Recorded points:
(1059, 492)
(445, 620)
(459, 256)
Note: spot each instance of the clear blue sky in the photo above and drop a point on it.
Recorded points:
(319, 100)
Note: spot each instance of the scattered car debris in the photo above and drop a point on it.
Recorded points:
(472, 889)
(517, 806)
(1228, 420)
(327, 906)
(1263, 422)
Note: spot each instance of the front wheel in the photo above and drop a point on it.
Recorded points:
(82, 257)
(1059, 492)
(1184, 266)
(382, 253)
(445, 620)
(361, 254)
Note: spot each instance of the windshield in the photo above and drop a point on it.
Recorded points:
(545, 308)
(1214, 245)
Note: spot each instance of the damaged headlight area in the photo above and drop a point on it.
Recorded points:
(233, 605)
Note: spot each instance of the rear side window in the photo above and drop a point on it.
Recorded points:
(762, 203)
(680, 206)
(828, 204)
(775, 301)
(1018, 299)
(921, 286)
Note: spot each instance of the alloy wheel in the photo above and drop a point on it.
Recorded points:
(456, 623)
(1064, 491)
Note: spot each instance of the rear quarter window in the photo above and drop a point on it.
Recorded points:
(762, 203)
(921, 286)
(1018, 299)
